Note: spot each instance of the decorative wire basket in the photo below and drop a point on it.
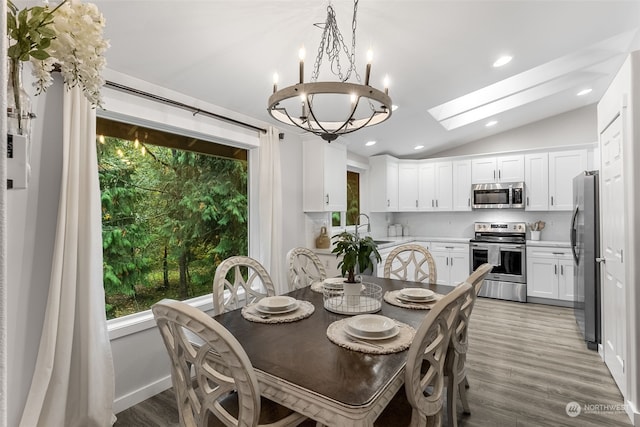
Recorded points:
(367, 300)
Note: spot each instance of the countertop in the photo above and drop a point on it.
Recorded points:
(389, 242)
(549, 243)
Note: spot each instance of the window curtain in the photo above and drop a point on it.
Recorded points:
(270, 208)
(73, 383)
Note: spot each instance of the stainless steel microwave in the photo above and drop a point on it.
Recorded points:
(498, 195)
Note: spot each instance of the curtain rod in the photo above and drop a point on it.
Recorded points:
(194, 110)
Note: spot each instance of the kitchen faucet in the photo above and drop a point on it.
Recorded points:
(358, 225)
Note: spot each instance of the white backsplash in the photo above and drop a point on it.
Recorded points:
(460, 224)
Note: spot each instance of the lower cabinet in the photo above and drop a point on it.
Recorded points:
(452, 262)
(330, 262)
(550, 273)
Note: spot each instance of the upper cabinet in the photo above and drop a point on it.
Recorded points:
(424, 186)
(461, 185)
(486, 170)
(383, 183)
(563, 167)
(407, 185)
(536, 181)
(324, 169)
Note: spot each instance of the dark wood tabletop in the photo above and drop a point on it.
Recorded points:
(300, 352)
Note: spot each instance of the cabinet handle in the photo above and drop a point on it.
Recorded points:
(555, 270)
(432, 203)
(494, 174)
(558, 253)
(562, 270)
(551, 200)
(621, 257)
(327, 199)
(388, 203)
(451, 261)
(527, 200)
(436, 203)
(469, 201)
(416, 203)
(499, 174)
(446, 261)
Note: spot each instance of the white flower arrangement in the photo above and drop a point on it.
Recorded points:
(74, 41)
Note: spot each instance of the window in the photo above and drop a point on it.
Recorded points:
(350, 217)
(173, 207)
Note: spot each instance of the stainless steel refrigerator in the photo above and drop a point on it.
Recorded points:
(585, 245)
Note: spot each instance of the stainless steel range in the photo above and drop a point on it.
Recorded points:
(503, 245)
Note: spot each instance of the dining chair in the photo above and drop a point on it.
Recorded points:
(238, 281)
(222, 393)
(304, 267)
(455, 366)
(423, 393)
(410, 258)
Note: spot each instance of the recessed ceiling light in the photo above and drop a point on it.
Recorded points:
(584, 91)
(503, 60)
(491, 123)
(394, 107)
(370, 143)
(418, 147)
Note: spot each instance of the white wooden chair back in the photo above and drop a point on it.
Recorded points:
(239, 281)
(411, 262)
(304, 268)
(424, 373)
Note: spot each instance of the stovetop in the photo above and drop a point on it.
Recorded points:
(500, 232)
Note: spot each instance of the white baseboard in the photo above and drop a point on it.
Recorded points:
(128, 400)
(633, 413)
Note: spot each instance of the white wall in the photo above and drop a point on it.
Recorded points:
(571, 128)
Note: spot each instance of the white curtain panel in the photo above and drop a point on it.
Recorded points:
(73, 382)
(270, 208)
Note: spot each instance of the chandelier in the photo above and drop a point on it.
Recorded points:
(332, 109)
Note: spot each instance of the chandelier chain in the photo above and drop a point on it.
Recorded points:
(332, 43)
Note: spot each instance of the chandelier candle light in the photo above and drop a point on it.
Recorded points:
(366, 105)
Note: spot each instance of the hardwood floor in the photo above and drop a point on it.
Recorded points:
(526, 362)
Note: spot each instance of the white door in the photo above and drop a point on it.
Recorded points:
(462, 185)
(536, 181)
(407, 186)
(335, 178)
(612, 231)
(563, 167)
(444, 186)
(483, 170)
(426, 186)
(510, 168)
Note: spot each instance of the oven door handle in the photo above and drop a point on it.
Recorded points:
(511, 246)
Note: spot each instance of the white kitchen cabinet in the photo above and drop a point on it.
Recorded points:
(383, 183)
(461, 185)
(550, 273)
(324, 169)
(452, 261)
(497, 169)
(407, 185)
(536, 181)
(435, 186)
(563, 167)
(330, 263)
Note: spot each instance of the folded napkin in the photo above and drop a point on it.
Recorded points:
(493, 255)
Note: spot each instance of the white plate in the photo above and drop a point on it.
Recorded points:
(414, 301)
(370, 325)
(334, 283)
(392, 333)
(416, 294)
(277, 304)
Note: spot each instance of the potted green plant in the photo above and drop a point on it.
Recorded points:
(356, 254)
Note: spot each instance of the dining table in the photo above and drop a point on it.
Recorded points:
(298, 366)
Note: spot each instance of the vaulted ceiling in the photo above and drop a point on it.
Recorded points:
(438, 55)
